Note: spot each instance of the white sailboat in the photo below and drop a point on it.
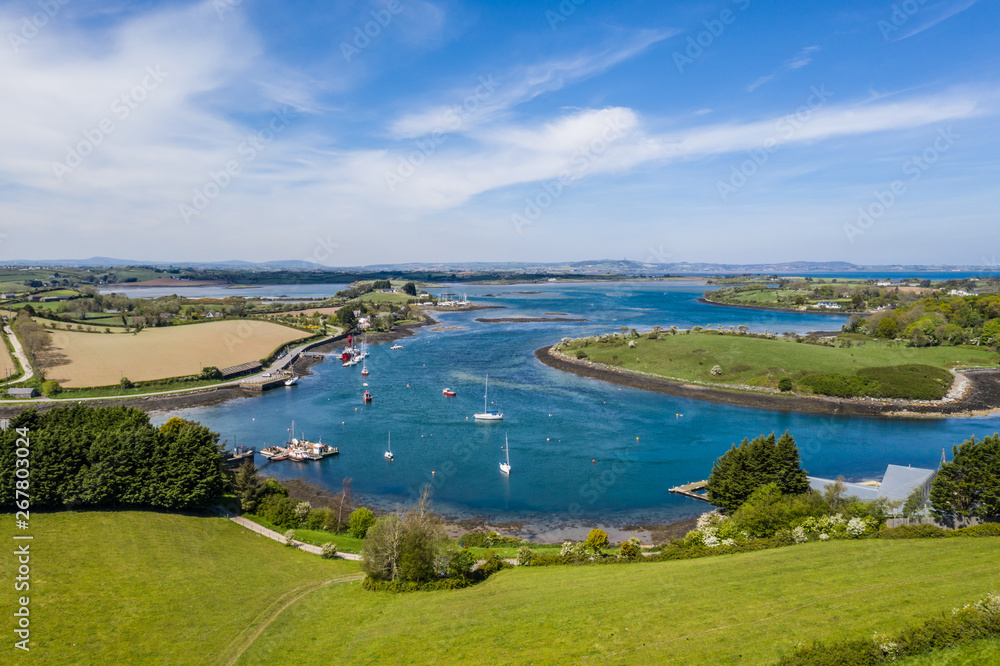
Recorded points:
(388, 450)
(505, 466)
(487, 413)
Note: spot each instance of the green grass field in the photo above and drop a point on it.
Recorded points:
(761, 362)
(141, 588)
(138, 587)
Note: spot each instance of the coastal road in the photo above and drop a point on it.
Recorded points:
(22, 358)
(277, 366)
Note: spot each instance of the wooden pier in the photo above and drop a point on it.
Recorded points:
(692, 490)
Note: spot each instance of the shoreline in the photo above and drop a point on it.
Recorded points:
(838, 313)
(981, 397)
(534, 528)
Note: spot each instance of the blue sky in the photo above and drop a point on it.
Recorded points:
(351, 133)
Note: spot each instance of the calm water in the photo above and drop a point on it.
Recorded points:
(579, 448)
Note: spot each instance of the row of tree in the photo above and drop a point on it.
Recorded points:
(110, 457)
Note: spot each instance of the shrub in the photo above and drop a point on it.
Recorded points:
(909, 382)
(272, 487)
(573, 551)
(361, 521)
(290, 538)
(924, 531)
(581, 355)
(493, 564)
(524, 556)
(481, 539)
(716, 370)
(841, 386)
(318, 519)
(302, 510)
(51, 389)
(329, 551)
(785, 384)
(126, 383)
(631, 549)
(596, 540)
(984, 530)
(279, 511)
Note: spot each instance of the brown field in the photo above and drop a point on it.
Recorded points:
(295, 313)
(90, 359)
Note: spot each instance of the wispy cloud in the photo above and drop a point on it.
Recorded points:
(929, 16)
(523, 84)
(800, 60)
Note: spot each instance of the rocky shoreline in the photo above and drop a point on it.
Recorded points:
(975, 393)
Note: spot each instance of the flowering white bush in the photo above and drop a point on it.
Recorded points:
(824, 537)
(709, 519)
(710, 540)
(856, 528)
(727, 542)
(990, 604)
(889, 649)
(799, 535)
(574, 550)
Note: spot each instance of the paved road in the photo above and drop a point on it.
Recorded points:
(22, 358)
(277, 366)
(271, 534)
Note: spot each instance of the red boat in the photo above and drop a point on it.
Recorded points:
(367, 397)
(448, 392)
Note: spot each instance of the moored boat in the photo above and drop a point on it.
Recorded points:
(274, 453)
(448, 392)
(367, 397)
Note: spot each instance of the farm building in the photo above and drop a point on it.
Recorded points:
(22, 393)
(240, 370)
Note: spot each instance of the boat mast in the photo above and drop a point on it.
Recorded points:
(486, 394)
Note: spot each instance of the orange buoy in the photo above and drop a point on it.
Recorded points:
(594, 460)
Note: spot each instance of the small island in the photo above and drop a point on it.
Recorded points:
(937, 357)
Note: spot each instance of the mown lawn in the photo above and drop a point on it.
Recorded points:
(749, 608)
(761, 362)
(145, 588)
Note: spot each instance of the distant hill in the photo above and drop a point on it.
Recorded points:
(592, 267)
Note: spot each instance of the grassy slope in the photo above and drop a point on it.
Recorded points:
(135, 587)
(691, 357)
(748, 608)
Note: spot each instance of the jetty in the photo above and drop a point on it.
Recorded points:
(693, 490)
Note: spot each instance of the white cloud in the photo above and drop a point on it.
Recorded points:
(798, 61)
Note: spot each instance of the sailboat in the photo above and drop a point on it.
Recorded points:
(505, 466)
(388, 450)
(364, 358)
(487, 413)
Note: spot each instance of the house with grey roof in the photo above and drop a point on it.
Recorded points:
(897, 484)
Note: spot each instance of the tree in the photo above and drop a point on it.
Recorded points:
(50, 389)
(969, 485)
(302, 510)
(346, 318)
(361, 521)
(329, 551)
(210, 372)
(752, 464)
(597, 539)
(410, 288)
(126, 383)
(631, 549)
(248, 487)
(345, 503)
(383, 547)
(290, 538)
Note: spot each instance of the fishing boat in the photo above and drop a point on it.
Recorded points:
(291, 381)
(274, 453)
(367, 397)
(298, 453)
(505, 466)
(396, 346)
(488, 414)
(448, 392)
(321, 450)
(388, 449)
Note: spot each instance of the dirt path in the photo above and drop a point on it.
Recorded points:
(22, 358)
(266, 617)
